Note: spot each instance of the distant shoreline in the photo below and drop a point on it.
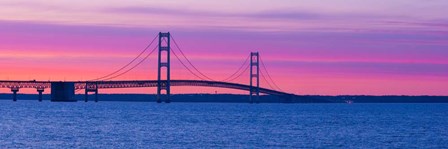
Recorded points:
(235, 98)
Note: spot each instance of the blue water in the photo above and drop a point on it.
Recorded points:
(30, 124)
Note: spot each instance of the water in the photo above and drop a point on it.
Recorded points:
(29, 124)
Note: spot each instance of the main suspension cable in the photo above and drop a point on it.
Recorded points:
(186, 66)
(175, 43)
(239, 69)
(264, 78)
(269, 76)
(242, 72)
(141, 61)
(138, 56)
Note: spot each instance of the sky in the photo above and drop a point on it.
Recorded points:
(337, 47)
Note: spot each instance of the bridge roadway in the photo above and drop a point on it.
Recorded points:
(41, 85)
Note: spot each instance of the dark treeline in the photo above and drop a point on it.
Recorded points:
(232, 98)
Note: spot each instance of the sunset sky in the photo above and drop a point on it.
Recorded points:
(374, 47)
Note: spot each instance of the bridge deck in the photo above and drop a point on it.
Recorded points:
(136, 84)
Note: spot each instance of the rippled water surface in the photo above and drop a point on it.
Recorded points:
(30, 124)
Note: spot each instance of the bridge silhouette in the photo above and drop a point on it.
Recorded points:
(65, 90)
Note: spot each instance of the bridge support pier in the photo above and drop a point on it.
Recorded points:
(96, 95)
(40, 91)
(254, 74)
(86, 95)
(14, 93)
(91, 87)
(63, 92)
(164, 84)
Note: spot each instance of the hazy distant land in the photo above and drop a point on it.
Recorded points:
(233, 98)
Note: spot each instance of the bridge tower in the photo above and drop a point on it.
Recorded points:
(254, 76)
(164, 50)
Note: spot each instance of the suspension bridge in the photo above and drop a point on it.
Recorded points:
(65, 90)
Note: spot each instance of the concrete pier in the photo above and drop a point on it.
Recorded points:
(14, 93)
(87, 95)
(40, 91)
(63, 92)
(91, 87)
